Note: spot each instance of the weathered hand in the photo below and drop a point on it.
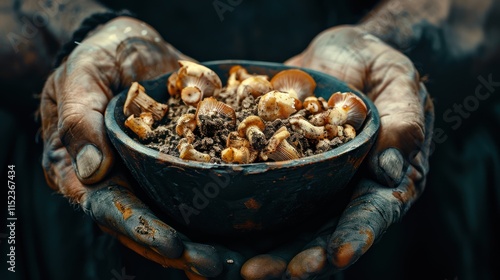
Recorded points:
(397, 165)
(78, 159)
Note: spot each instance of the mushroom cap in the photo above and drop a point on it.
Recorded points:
(276, 105)
(172, 88)
(249, 122)
(236, 155)
(185, 121)
(255, 85)
(191, 95)
(353, 105)
(279, 136)
(235, 141)
(208, 109)
(312, 104)
(241, 73)
(296, 82)
(192, 74)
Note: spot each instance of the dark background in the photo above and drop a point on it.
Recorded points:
(450, 233)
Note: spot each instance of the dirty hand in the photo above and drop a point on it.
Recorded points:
(397, 165)
(78, 159)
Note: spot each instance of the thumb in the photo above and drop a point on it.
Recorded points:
(88, 78)
(82, 98)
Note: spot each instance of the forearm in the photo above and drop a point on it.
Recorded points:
(450, 30)
(59, 18)
(34, 30)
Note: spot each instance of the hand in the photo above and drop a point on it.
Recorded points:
(78, 159)
(398, 163)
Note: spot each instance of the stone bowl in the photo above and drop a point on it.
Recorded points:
(231, 199)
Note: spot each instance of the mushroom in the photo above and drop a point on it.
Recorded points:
(172, 88)
(238, 150)
(302, 126)
(347, 108)
(324, 103)
(252, 127)
(234, 140)
(210, 110)
(142, 125)
(138, 102)
(296, 82)
(278, 148)
(323, 145)
(242, 73)
(344, 108)
(186, 124)
(312, 105)
(188, 152)
(194, 81)
(232, 83)
(236, 155)
(276, 105)
(349, 132)
(255, 86)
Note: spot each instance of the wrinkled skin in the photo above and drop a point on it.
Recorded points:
(73, 102)
(79, 161)
(397, 165)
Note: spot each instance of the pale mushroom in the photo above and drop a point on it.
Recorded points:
(194, 81)
(138, 101)
(276, 105)
(186, 124)
(252, 127)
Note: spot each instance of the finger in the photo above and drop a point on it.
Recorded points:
(88, 88)
(197, 260)
(82, 100)
(56, 162)
(402, 130)
(295, 61)
(312, 260)
(231, 261)
(273, 264)
(369, 214)
(390, 80)
(120, 210)
(194, 276)
(140, 59)
(393, 83)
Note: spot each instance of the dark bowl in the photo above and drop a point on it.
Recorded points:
(227, 199)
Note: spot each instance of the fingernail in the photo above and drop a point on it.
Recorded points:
(391, 162)
(88, 161)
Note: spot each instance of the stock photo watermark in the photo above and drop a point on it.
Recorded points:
(464, 109)
(223, 6)
(11, 218)
(122, 275)
(31, 25)
(201, 198)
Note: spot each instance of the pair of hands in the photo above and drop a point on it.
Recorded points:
(78, 159)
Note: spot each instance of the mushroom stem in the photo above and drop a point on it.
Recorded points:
(256, 137)
(186, 124)
(310, 131)
(279, 136)
(138, 102)
(236, 155)
(188, 152)
(141, 125)
(349, 132)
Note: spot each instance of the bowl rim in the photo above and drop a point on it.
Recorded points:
(370, 129)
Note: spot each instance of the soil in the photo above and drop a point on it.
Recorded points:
(212, 140)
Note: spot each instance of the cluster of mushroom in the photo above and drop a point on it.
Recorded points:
(288, 96)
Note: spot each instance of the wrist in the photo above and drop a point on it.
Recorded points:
(89, 25)
(404, 25)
